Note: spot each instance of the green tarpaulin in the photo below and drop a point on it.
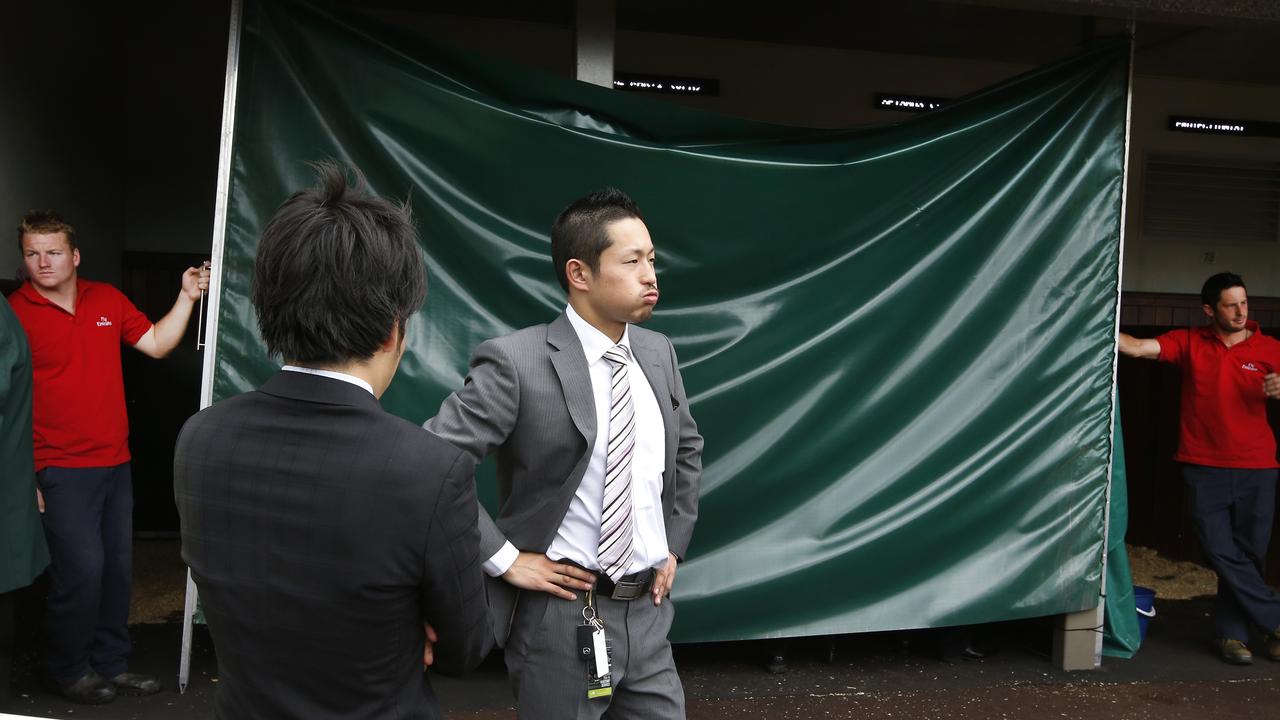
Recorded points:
(898, 340)
(1120, 636)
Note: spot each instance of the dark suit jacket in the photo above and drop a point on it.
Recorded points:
(528, 399)
(322, 532)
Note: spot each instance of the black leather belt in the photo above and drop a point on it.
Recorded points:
(629, 587)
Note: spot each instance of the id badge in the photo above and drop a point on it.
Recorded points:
(593, 646)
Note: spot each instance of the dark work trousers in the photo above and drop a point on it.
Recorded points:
(88, 521)
(1232, 509)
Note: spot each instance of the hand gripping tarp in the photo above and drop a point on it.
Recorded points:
(897, 340)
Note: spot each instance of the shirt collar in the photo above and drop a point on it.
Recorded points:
(1251, 325)
(28, 290)
(595, 343)
(331, 374)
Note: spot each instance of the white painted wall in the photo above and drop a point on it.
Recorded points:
(1178, 267)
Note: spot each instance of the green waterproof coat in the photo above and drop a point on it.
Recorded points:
(23, 553)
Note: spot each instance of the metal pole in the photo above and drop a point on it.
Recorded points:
(1115, 359)
(215, 285)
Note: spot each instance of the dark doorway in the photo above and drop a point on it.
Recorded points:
(160, 394)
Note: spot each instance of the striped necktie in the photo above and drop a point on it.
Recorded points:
(614, 554)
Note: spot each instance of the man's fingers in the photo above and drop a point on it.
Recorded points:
(429, 650)
(558, 591)
(572, 576)
(663, 579)
(40, 501)
(534, 571)
(661, 585)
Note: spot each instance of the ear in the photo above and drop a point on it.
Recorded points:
(579, 275)
(75, 258)
(394, 344)
(1208, 310)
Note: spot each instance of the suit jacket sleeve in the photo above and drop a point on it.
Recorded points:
(479, 417)
(688, 469)
(453, 593)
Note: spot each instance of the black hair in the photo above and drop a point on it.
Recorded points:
(338, 269)
(581, 230)
(1211, 292)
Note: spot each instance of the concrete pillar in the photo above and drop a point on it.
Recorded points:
(1077, 640)
(594, 38)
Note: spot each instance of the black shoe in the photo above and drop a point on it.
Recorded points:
(776, 664)
(135, 684)
(90, 689)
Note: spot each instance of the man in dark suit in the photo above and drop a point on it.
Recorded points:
(333, 544)
(598, 468)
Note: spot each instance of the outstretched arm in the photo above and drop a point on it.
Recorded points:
(165, 335)
(1144, 349)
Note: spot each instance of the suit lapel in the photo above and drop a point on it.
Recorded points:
(575, 378)
(650, 360)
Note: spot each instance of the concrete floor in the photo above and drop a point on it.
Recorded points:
(883, 675)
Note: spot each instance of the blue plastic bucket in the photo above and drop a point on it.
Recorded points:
(1145, 599)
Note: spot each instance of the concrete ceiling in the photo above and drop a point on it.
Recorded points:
(1219, 40)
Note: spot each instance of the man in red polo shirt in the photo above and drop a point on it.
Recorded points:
(84, 487)
(1229, 454)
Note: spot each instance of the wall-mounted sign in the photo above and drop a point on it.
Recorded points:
(908, 103)
(1224, 126)
(638, 82)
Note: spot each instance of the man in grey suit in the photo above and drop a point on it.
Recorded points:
(331, 541)
(598, 468)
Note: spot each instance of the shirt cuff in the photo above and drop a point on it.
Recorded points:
(501, 560)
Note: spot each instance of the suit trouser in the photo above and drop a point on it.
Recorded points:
(1232, 509)
(88, 521)
(549, 678)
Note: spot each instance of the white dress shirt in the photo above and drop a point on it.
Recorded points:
(331, 374)
(578, 537)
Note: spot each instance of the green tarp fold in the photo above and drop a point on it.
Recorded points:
(1120, 637)
(897, 340)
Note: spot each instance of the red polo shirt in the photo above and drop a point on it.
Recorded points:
(78, 412)
(1224, 411)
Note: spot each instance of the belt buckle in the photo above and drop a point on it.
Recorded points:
(628, 589)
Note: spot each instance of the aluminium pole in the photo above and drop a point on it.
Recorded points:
(1115, 359)
(215, 285)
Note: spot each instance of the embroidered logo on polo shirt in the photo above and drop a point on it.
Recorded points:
(103, 321)
(1250, 367)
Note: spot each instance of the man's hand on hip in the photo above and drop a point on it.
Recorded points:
(535, 571)
(1271, 386)
(663, 578)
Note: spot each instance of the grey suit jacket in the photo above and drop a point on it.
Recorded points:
(528, 399)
